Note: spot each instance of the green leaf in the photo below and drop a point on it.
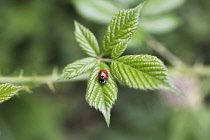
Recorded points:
(101, 97)
(154, 7)
(118, 50)
(86, 40)
(142, 72)
(120, 29)
(99, 11)
(138, 39)
(77, 68)
(8, 90)
(160, 24)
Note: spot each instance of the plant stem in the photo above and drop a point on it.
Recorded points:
(49, 79)
(106, 60)
(164, 52)
(45, 79)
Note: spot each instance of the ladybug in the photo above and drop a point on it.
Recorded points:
(102, 76)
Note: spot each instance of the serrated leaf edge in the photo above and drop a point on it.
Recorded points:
(165, 84)
(18, 88)
(100, 104)
(86, 40)
(77, 65)
(107, 46)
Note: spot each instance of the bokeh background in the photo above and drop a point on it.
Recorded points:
(38, 35)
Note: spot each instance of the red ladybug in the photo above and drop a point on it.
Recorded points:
(102, 76)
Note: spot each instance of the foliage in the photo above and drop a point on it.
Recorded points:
(142, 72)
(8, 90)
(38, 35)
(120, 29)
(87, 40)
(153, 12)
(101, 97)
(135, 71)
(78, 67)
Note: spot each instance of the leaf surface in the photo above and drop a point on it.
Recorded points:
(86, 40)
(118, 50)
(121, 28)
(142, 72)
(101, 97)
(161, 24)
(8, 90)
(154, 7)
(99, 11)
(77, 68)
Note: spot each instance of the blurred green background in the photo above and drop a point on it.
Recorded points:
(37, 35)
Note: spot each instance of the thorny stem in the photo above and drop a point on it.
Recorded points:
(153, 43)
(45, 79)
(51, 79)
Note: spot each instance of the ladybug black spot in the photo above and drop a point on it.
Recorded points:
(102, 81)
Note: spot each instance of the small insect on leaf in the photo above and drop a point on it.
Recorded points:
(102, 76)
(102, 97)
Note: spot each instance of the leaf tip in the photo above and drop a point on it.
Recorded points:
(174, 89)
(108, 124)
(177, 91)
(140, 6)
(75, 22)
(107, 118)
